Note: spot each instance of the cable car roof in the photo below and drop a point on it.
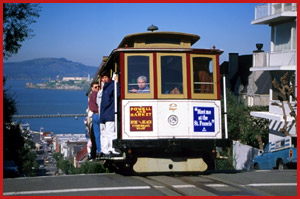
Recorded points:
(158, 37)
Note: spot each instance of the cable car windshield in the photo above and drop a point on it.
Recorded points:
(171, 75)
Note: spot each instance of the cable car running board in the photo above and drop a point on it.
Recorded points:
(120, 157)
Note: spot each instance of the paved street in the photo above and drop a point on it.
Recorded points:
(252, 183)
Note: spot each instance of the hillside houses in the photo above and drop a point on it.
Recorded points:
(70, 146)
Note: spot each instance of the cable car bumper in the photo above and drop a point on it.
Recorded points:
(151, 146)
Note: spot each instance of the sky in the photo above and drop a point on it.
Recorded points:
(85, 32)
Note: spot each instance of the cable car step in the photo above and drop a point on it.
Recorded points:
(113, 157)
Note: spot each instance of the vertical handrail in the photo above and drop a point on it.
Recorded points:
(225, 107)
(115, 100)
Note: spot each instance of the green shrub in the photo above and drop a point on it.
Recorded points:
(91, 167)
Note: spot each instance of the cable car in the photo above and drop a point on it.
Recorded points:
(169, 116)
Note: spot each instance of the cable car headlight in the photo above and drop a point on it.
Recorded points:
(173, 120)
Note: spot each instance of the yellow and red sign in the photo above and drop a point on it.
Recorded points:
(141, 118)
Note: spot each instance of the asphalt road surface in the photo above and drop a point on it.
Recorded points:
(252, 183)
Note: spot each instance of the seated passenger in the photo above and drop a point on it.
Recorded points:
(143, 88)
(205, 78)
(175, 91)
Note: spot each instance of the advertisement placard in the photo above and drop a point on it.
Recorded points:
(141, 118)
(204, 119)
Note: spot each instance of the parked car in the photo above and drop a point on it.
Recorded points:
(280, 155)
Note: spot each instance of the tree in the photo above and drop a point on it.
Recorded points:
(92, 167)
(16, 145)
(12, 142)
(87, 167)
(65, 165)
(243, 127)
(9, 105)
(287, 89)
(16, 20)
(57, 156)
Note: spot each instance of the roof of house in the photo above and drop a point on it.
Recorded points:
(82, 153)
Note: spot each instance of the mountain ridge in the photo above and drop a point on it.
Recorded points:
(45, 68)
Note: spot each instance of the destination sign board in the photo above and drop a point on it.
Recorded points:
(141, 118)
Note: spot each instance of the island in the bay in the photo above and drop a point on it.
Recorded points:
(55, 73)
(66, 83)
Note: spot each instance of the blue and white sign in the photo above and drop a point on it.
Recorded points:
(204, 119)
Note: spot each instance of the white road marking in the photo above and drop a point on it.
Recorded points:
(216, 185)
(262, 170)
(183, 186)
(159, 187)
(255, 185)
(270, 184)
(75, 190)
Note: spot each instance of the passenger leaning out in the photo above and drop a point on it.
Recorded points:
(93, 106)
(107, 119)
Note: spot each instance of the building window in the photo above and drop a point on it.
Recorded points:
(282, 36)
(288, 7)
(294, 36)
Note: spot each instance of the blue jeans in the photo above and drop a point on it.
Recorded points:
(96, 128)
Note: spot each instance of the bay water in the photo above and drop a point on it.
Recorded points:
(45, 102)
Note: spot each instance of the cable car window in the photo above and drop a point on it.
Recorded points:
(203, 75)
(138, 74)
(171, 75)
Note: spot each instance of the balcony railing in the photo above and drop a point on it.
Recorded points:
(269, 9)
(282, 58)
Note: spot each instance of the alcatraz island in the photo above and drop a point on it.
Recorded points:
(66, 83)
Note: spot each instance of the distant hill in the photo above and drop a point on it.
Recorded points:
(44, 68)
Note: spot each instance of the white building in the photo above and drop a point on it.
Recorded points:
(77, 78)
(60, 142)
(282, 18)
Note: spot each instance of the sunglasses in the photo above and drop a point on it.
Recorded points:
(96, 86)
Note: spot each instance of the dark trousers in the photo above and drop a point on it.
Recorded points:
(94, 148)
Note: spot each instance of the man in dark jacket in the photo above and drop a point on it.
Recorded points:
(107, 119)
